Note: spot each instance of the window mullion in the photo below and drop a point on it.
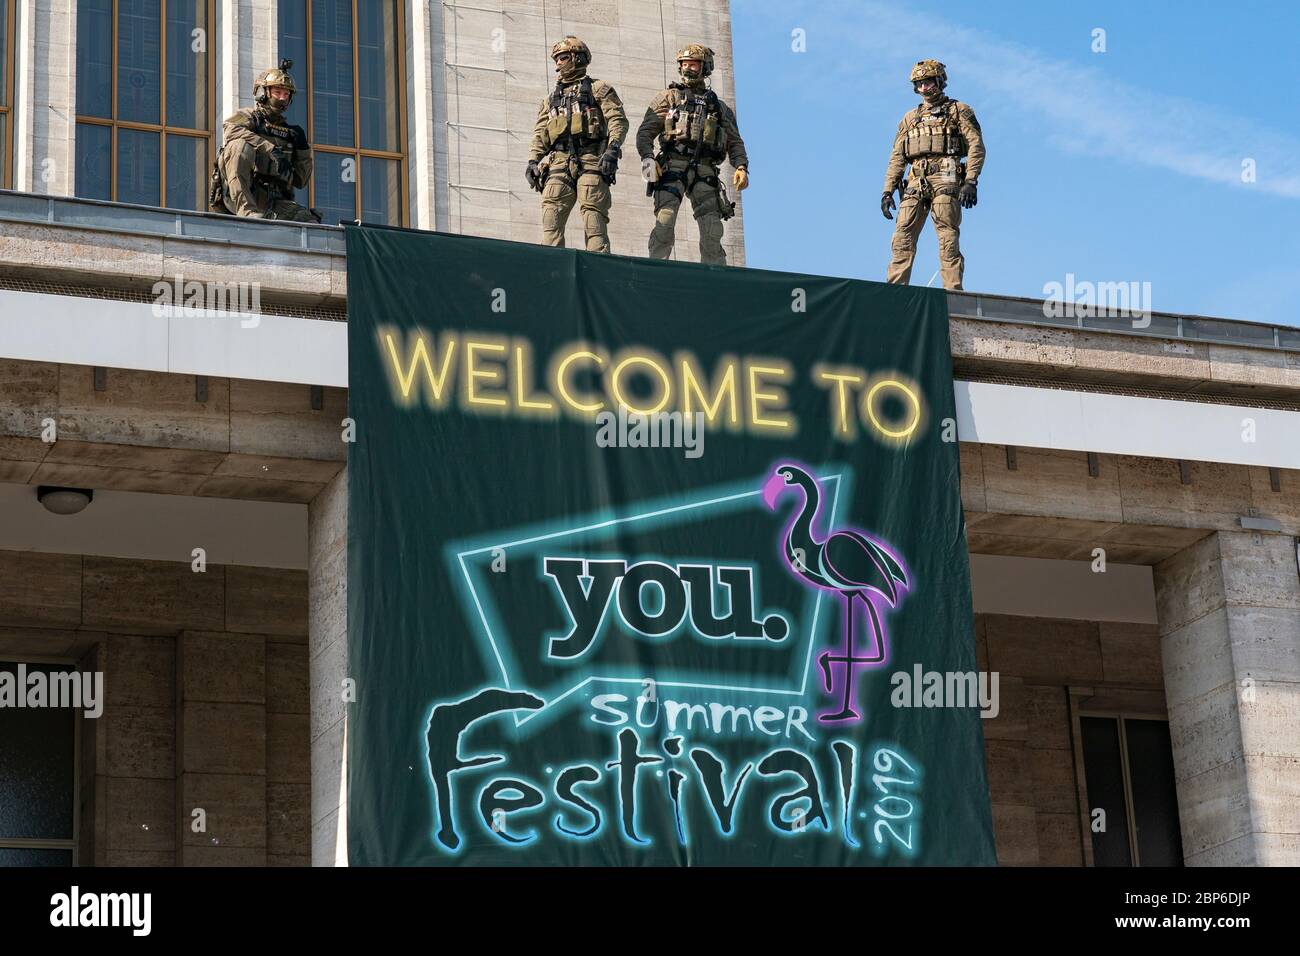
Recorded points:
(1128, 792)
(311, 112)
(210, 60)
(162, 103)
(10, 40)
(399, 14)
(112, 136)
(356, 106)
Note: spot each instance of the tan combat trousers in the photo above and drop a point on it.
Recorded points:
(245, 197)
(577, 180)
(945, 210)
(289, 211)
(704, 205)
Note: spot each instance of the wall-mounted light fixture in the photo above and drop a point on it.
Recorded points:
(63, 501)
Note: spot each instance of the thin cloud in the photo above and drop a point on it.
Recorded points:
(1080, 109)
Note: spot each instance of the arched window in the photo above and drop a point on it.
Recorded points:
(7, 28)
(144, 101)
(349, 65)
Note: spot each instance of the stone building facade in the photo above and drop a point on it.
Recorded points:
(475, 74)
(223, 684)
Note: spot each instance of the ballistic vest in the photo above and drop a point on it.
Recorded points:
(934, 135)
(694, 119)
(575, 117)
(282, 135)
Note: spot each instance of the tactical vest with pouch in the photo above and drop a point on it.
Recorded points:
(575, 117)
(694, 121)
(282, 135)
(931, 135)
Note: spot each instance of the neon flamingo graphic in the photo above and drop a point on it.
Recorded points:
(858, 568)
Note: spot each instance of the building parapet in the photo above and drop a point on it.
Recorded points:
(83, 247)
(152, 221)
(1161, 325)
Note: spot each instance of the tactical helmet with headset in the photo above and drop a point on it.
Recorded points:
(581, 55)
(929, 70)
(695, 51)
(276, 77)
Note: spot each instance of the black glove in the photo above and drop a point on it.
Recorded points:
(286, 171)
(887, 205)
(967, 195)
(609, 162)
(299, 137)
(534, 175)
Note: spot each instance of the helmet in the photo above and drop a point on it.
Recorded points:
(277, 77)
(696, 51)
(571, 44)
(931, 70)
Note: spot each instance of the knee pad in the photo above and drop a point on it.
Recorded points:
(553, 217)
(711, 228)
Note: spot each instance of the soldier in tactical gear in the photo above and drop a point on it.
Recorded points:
(934, 138)
(686, 133)
(263, 159)
(577, 142)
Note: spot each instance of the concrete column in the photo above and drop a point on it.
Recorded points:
(135, 754)
(221, 746)
(438, 174)
(288, 754)
(45, 97)
(249, 45)
(1229, 609)
(327, 616)
(92, 797)
(1009, 763)
(471, 54)
(475, 177)
(273, 602)
(421, 137)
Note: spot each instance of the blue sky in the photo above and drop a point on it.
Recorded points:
(1117, 166)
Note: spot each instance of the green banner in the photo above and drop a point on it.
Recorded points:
(653, 563)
